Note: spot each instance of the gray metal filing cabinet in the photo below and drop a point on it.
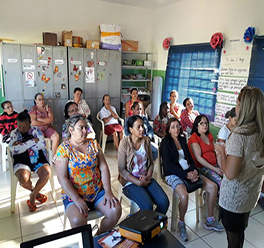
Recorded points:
(55, 72)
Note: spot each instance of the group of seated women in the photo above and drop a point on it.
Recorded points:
(83, 172)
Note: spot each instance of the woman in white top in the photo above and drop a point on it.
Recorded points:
(243, 165)
(110, 118)
(226, 129)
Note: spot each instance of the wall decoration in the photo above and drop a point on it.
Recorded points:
(217, 40)
(167, 42)
(249, 34)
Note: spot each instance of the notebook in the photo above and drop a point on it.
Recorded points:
(79, 237)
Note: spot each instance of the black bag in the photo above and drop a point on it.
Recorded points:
(192, 186)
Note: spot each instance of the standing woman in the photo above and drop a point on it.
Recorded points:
(135, 166)
(42, 117)
(110, 118)
(134, 98)
(188, 115)
(243, 165)
(175, 108)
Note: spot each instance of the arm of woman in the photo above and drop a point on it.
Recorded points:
(3, 129)
(48, 120)
(35, 121)
(113, 112)
(230, 164)
(197, 152)
(151, 165)
(122, 166)
(127, 109)
(109, 198)
(63, 177)
(174, 113)
(185, 117)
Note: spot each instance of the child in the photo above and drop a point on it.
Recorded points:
(8, 120)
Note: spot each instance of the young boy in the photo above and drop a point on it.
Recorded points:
(8, 120)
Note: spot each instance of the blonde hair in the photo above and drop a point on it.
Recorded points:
(251, 109)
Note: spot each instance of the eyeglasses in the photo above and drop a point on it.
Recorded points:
(9, 107)
(73, 111)
(203, 123)
(173, 127)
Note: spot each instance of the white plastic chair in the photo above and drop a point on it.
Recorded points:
(3, 150)
(175, 197)
(133, 206)
(14, 179)
(103, 136)
(92, 215)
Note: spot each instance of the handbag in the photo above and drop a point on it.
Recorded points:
(192, 186)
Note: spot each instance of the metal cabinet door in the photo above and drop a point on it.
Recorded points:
(114, 74)
(12, 71)
(58, 114)
(75, 61)
(45, 73)
(89, 64)
(60, 75)
(102, 72)
(29, 71)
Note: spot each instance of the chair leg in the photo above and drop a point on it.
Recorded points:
(197, 205)
(14, 182)
(65, 220)
(53, 190)
(104, 142)
(174, 211)
(100, 139)
(4, 157)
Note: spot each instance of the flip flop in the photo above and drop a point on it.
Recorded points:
(32, 208)
(42, 198)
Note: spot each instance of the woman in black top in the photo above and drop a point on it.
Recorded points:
(178, 165)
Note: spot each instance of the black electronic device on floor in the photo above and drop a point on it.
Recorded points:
(143, 225)
(76, 237)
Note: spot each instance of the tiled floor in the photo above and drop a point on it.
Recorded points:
(48, 219)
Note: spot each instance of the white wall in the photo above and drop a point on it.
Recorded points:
(194, 21)
(25, 20)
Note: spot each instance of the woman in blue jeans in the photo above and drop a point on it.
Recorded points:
(135, 166)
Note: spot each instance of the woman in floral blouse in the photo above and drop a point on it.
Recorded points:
(160, 122)
(85, 178)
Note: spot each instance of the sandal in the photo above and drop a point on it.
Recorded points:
(32, 208)
(42, 198)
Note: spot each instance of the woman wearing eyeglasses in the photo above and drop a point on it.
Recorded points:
(201, 146)
(71, 108)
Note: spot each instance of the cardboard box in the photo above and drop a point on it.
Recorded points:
(49, 39)
(77, 41)
(66, 38)
(129, 45)
(93, 44)
(110, 36)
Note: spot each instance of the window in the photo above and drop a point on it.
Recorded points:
(256, 76)
(192, 70)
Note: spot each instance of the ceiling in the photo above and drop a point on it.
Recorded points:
(149, 4)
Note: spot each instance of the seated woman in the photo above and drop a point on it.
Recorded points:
(161, 120)
(175, 108)
(226, 129)
(27, 146)
(134, 98)
(148, 130)
(8, 120)
(110, 118)
(42, 117)
(188, 115)
(201, 145)
(179, 165)
(71, 108)
(82, 104)
(135, 166)
(85, 178)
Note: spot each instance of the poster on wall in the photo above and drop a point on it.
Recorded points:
(234, 72)
(30, 79)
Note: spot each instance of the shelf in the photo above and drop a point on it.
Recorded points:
(136, 67)
(125, 52)
(136, 80)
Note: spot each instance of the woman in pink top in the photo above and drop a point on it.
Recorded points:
(188, 115)
(175, 108)
(134, 98)
(42, 117)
